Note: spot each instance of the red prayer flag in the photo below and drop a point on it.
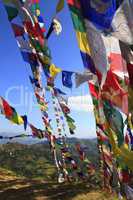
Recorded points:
(113, 92)
(18, 30)
(130, 72)
(74, 3)
(7, 109)
(93, 91)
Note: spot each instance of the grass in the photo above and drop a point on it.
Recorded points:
(13, 187)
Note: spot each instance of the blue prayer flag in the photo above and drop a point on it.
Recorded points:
(67, 78)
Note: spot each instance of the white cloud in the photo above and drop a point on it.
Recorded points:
(81, 103)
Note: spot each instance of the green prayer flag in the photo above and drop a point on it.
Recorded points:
(12, 12)
(7, 1)
(115, 120)
(77, 20)
(16, 118)
(71, 125)
(69, 119)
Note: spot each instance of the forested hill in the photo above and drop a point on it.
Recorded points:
(35, 160)
(28, 172)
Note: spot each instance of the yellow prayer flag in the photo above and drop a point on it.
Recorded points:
(83, 42)
(125, 154)
(17, 119)
(54, 70)
(60, 6)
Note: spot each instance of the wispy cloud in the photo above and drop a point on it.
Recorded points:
(81, 103)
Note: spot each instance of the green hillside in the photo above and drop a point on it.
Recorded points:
(30, 161)
(28, 172)
(35, 161)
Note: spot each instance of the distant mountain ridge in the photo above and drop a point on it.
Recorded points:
(31, 140)
(28, 140)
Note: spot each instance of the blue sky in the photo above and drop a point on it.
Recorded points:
(14, 73)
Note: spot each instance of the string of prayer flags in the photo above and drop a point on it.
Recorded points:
(66, 111)
(69, 120)
(11, 114)
(38, 55)
(71, 124)
(66, 155)
(91, 14)
(33, 30)
(57, 117)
